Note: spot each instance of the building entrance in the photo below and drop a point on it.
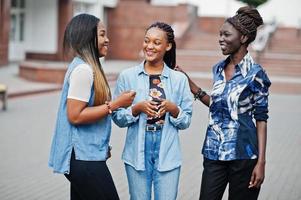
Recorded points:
(17, 30)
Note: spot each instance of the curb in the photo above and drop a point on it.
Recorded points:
(111, 79)
(32, 92)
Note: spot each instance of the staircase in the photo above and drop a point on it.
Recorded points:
(283, 54)
(281, 58)
(286, 40)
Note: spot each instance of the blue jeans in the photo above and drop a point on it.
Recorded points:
(140, 182)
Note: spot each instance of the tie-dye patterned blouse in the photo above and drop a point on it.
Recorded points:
(231, 133)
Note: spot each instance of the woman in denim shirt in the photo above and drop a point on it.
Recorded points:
(162, 106)
(80, 144)
(234, 147)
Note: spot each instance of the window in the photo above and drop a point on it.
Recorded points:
(13, 25)
(17, 20)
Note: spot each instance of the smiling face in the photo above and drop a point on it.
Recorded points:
(155, 45)
(230, 39)
(102, 39)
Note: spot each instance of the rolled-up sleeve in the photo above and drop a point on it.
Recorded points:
(184, 117)
(261, 86)
(122, 117)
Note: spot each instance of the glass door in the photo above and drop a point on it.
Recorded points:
(17, 32)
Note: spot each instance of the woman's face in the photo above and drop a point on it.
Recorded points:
(229, 39)
(103, 40)
(155, 45)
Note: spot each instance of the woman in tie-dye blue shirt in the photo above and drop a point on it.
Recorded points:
(234, 147)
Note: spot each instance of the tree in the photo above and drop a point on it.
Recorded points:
(253, 3)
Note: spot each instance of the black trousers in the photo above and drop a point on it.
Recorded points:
(91, 180)
(217, 174)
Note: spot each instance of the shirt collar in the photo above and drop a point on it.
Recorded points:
(244, 65)
(165, 72)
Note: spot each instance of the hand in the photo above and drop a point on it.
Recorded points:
(167, 106)
(193, 87)
(257, 177)
(148, 107)
(109, 154)
(124, 100)
(179, 69)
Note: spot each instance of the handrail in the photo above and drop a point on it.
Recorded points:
(263, 38)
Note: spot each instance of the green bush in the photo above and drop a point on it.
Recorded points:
(253, 3)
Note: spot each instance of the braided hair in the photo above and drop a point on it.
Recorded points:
(246, 21)
(170, 56)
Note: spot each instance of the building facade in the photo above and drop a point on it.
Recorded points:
(34, 29)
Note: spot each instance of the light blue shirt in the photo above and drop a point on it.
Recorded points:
(177, 90)
(89, 141)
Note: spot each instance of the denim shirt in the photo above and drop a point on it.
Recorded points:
(89, 141)
(231, 133)
(177, 90)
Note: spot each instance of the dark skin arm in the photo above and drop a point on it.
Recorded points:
(194, 88)
(79, 113)
(257, 177)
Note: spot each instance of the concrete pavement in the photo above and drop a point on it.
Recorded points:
(26, 132)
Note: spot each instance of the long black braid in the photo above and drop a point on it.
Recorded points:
(170, 56)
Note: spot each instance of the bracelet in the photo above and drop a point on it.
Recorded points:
(200, 94)
(108, 106)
